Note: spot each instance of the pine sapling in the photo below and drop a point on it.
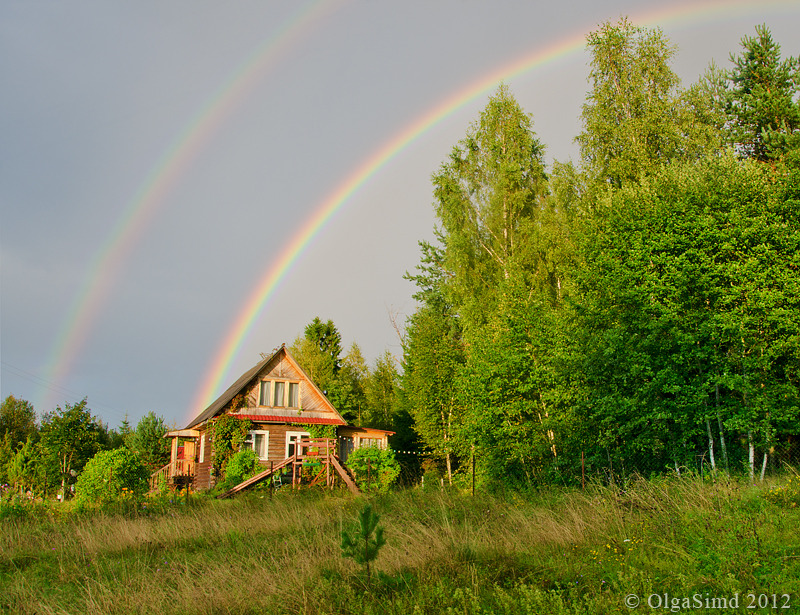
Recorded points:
(364, 539)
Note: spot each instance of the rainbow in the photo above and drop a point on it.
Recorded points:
(165, 174)
(686, 13)
(170, 167)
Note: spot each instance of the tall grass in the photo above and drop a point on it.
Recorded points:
(555, 551)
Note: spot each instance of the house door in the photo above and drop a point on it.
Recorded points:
(345, 448)
(291, 440)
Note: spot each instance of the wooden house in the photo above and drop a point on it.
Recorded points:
(284, 408)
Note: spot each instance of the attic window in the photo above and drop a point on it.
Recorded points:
(279, 394)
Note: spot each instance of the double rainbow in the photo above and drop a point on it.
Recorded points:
(172, 164)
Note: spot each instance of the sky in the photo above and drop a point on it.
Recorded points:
(185, 185)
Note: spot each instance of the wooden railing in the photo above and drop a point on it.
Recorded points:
(179, 467)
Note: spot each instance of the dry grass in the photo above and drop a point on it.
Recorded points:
(560, 552)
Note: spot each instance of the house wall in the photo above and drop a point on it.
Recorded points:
(283, 369)
(202, 477)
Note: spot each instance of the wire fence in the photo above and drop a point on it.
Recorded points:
(579, 467)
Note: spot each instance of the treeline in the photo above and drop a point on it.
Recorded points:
(637, 311)
(47, 457)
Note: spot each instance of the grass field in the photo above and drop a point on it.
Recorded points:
(664, 540)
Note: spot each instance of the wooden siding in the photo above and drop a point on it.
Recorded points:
(202, 477)
(283, 369)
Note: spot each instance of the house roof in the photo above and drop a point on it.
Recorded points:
(299, 420)
(247, 378)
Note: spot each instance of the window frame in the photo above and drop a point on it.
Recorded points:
(290, 441)
(268, 389)
(250, 442)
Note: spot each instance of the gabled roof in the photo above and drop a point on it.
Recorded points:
(246, 379)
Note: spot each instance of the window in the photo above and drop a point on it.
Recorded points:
(257, 440)
(263, 399)
(371, 442)
(291, 440)
(279, 394)
(278, 399)
(202, 448)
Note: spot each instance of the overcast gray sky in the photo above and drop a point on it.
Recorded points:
(157, 159)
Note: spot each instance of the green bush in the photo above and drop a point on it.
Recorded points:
(375, 469)
(241, 466)
(110, 475)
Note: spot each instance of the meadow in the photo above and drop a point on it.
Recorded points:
(676, 544)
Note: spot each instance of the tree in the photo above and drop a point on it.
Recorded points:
(364, 540)
(111, 474)
(71, 436)
(327, 339)
(375, 469)
(689, 304)
(635, 117)
(487, 198)
(628, 117)
(148, 441)
(17, 419)
(433, 353)
(761, 100)
(348, 387)
(317, 364)
(380, 389)
(33, 468)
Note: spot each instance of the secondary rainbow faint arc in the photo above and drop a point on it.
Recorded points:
(168, 169)
(694, 13)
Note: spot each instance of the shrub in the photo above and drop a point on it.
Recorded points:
(109, 475)
(241, 466)
(374, 469)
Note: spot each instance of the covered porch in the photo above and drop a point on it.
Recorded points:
(180, 470)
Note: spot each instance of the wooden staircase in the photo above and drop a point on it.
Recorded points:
(258, 477)
(322, 451)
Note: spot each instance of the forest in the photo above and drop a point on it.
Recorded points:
(635, 312)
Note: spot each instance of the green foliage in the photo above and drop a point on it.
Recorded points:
(635, 118)
(318, 431)
(319, 365)
(347, 393)
(375, 469)
(487, 198)
(628, 117)
(242, 465)
(689, 302)
(514, 391)
(148, 441)
(786, 494)
(109, 475)
(17, 424)
(326, 339)
(72, 436)
(227, 435)
(33, 468)
(364, 539)
(761, 100)
(17, 420)
(380, 389)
